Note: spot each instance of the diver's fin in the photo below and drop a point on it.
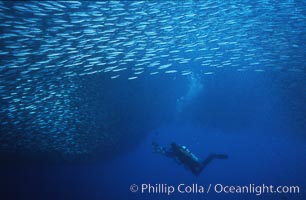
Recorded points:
(213, 156)
(208, 160)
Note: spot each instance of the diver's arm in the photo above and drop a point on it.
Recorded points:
(162, 150)
(169, 153)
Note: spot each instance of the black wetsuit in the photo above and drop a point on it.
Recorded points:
(183, 155)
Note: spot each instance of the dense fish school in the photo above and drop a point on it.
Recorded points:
(47, 46)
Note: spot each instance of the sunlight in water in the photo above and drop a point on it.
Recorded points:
(194, 88)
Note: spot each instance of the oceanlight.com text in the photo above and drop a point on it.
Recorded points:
(256, 189)
(215, 188)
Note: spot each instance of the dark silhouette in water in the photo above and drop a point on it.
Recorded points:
(185, 156)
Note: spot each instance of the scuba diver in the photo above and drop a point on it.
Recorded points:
(183, 155)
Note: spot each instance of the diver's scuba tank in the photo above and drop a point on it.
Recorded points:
(188, 153)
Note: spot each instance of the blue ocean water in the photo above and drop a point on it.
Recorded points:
(261, 149)
(86, 87)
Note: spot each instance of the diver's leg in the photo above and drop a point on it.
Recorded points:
(209, 159)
